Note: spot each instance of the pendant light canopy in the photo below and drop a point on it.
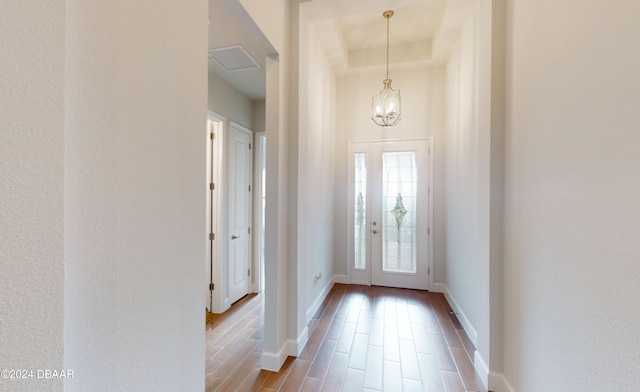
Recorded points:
(385, 107)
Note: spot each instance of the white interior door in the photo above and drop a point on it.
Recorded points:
(240, 211)
(390, 220)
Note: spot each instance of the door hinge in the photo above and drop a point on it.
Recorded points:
(429, 231)
(248, 230)
(248, 272)
(211, 286)
(212, 236)
(212, 136)
(428, 271)
(212, 186)
(249, 188)
(249, 146)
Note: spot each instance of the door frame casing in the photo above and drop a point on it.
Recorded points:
(363, 277)
(259, 158)
(216, 214)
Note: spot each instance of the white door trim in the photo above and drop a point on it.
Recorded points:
(257, 278)
(214, 216)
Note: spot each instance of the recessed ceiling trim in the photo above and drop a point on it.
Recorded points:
(233, 58)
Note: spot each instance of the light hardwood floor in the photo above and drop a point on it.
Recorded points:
(361, 339)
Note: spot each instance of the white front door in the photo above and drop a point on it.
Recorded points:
(390, 213)
(240, 179)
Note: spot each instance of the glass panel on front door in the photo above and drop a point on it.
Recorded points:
(399, 190)
(360, 212)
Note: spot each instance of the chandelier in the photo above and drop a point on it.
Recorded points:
(385, 107)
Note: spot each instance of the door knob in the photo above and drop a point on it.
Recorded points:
(233, 237)
(375, 231)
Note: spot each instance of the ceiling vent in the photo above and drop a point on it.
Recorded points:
(233, 58)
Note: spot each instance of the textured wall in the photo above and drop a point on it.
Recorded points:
(31, 190)
(135, 161)
(572, 196)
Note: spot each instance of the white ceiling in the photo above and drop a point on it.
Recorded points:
(353, 34)
(369, 30)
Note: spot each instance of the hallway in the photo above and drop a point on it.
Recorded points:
(361, 339)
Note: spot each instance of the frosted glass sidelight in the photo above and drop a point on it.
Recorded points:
(399, 195)
(360, 212)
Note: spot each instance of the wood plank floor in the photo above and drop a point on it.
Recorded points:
(361, 339)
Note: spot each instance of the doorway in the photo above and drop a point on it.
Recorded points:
(390, 213)
(230, 260)
(231, 27)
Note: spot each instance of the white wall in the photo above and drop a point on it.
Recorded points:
(134, 202)
(474, 183)
(491, 118)
(258, 114)
(315, 169)
(464, 182)
(572, 202)
(229, 102)
(32, 190)
(422, 91)
(271, 18)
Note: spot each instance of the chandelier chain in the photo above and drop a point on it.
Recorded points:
(387, 48)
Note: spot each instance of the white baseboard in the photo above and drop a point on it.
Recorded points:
(499, 383)
(323, 295)
(342, 279)
(294, 347)
(481, 368)
(493, 381)
(468, 328)
(273, 361)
